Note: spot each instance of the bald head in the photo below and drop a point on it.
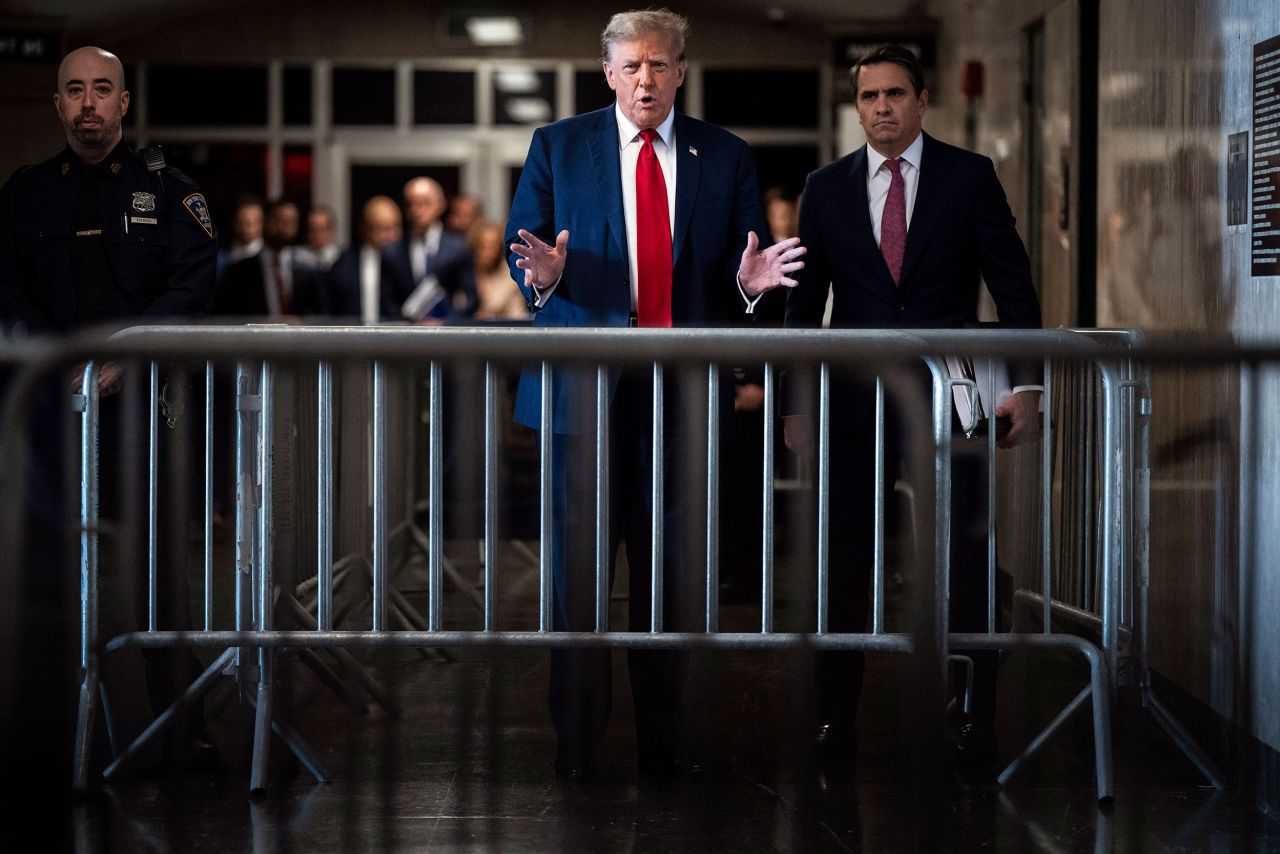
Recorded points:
(424, 204)
(91, 101)
(380, 223)
(91, 57)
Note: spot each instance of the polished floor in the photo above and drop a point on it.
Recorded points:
(467, 767)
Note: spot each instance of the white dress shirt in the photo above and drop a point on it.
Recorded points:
(370, 284)
(879, 177)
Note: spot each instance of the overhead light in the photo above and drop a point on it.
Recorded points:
(529, 110)
(495, 31)
(516, 81)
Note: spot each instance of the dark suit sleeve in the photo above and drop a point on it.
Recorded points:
(191, 259)
(310, 296)
(807, 301)
(534, 207)
(1006, 269)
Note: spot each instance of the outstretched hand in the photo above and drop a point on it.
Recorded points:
(765, 269)
(542, 263)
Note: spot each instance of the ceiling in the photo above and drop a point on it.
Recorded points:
(120, 17)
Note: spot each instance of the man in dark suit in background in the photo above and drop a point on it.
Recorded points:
(276, 282)
(438, 261)
(364, 282)
(903, 230)
(630, 215)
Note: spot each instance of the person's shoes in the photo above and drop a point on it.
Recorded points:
(573, 760)
(974, 745)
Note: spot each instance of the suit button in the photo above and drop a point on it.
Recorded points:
(900, 307)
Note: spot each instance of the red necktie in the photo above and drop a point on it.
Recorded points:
(893, 223)
(653, 238)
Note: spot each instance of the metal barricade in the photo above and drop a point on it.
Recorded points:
(249, 649)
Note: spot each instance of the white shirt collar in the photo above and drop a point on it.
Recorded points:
(912, 155)
(628, 132)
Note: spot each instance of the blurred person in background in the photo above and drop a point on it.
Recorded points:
(465, 211)
(246, 234)
(438, 260)
(782, 212)
(499, 297)
(275, 282)
(321, 248)
(363, 281)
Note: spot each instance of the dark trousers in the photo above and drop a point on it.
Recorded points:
(580, 692)
(852, 554)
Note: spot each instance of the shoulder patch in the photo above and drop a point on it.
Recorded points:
(199, 209)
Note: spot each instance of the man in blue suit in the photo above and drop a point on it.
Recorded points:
(901, 232)
(630, 216)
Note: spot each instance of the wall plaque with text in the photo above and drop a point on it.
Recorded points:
(1265, 222)
(29, 46)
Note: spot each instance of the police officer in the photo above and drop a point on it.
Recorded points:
(100, 232)
(103, 234)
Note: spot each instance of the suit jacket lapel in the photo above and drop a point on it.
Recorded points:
(688, 174)
(860, 215)
(932, 193)
(607, 163)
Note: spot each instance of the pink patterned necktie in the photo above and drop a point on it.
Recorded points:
(893, 223)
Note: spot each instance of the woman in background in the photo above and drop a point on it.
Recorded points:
(499, 297)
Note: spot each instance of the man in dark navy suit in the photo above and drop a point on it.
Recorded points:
(902, 231)
(437, 261)
(364, 281)
(630, 215)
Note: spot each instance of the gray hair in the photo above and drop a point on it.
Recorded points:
(636, 24)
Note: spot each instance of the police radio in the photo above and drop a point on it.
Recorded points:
(152, 158)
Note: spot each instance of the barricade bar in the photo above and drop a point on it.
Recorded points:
(713, 498)
(767, 490)
(153, 500)
(657, 529)
(490, 498)
(877, 577)
(602, 499)
(324, 502)
(544, 502)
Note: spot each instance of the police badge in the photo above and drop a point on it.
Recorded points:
(199, 209)
(144, 202)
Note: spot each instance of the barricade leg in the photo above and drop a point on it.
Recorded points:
(1098, 690)
(87, 404)
(203, 684)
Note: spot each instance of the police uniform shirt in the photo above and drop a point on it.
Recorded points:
(86, 243)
